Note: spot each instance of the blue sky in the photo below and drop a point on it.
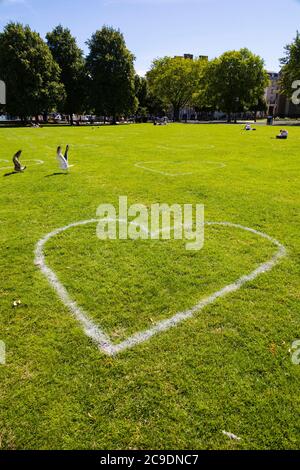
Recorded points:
(154, 28)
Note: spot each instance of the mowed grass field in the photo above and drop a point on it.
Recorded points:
(227, 369)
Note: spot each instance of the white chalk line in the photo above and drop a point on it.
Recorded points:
(100, 338)
(206, 147)
(142, 166)
(37, 162)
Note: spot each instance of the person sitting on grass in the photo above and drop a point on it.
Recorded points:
(283, 134)
(63, 159)
(249, 128)
(16, 161)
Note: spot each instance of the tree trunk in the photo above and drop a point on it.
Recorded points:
(176, 114)
(71, 119)
(114, 121)
(228, 117)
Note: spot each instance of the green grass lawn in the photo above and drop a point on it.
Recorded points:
(229, 368)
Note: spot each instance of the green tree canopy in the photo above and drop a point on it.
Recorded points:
(235, 81)
(110, 67)
(72, 65)
(174, 81)
(148, 103)
(290, 71)
(29, 71)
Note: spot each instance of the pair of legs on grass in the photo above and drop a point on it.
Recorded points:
(63, 159)
(16, 161)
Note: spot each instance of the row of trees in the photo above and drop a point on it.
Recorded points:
(42, 76)
(232, 83)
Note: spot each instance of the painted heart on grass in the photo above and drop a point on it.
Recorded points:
(148, 166)
(103, 340)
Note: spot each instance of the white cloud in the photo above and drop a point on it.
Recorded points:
(11, 2)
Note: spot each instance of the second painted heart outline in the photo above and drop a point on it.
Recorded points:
(142, 166)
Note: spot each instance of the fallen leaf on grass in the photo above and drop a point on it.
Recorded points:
(231, 436)
(91, 417)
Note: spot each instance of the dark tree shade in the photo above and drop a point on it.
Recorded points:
(71, 61)
(29, 71)
(111, 72)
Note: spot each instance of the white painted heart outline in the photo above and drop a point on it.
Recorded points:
(186, 147)
(142, 165)
(99, 337)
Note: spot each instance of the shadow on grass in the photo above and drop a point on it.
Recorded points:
(56, 174)
(12, 173)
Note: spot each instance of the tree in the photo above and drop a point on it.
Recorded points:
(147, 102)
(110, 67)
(201, 100)
(72, 65)
(260, 105)
(141, 91)
(142, 96)
(290, 71)
(235, 82)
(155, 106)
(29, 71)
(174, 81)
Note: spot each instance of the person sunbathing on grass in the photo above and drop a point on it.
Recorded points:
(63, 159)
(35, 125)
(283, 134)
(16, 161)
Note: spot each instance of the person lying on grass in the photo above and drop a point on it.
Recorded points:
(63, 159)
(35, 125)
(16, 161)
(283, 134)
